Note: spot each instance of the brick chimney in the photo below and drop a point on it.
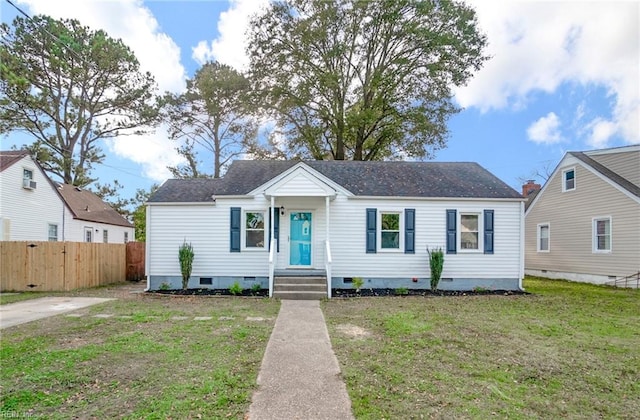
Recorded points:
(530, 187)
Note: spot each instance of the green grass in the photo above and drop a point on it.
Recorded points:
(567, 350)
(21, 296)
(139, 363)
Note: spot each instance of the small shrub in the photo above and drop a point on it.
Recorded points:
(480, 289)
(235, 289)
(358, 283)
(436, 263)
(185, 255)
(401, 291)
(165, 286)
(256, 288)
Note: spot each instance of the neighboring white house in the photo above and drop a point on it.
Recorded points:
(339, 219)
(34, 208)
(584, 224)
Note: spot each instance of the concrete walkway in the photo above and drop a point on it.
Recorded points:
(300, 376)
(30, 310)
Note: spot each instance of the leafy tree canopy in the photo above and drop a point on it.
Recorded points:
(213, 114)
(363, 80)
(69, 86)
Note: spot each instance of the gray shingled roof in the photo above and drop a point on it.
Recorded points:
(623, 182)
(380, 179)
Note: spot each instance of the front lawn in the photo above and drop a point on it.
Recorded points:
(567, 350)
(141, 357)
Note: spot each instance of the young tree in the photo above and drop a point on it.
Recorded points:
(139, 214)
(69, 87)
(213, 113)
(363, 80)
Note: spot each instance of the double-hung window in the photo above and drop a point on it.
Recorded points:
(389, 230)
(569, 179)
(27, 178)
(53, 232)
(105, 236)
(543, 237)
(255, 232)
(602, 234)
(469, 231)
(88, 234)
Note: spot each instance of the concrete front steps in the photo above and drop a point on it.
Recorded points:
(310, 287)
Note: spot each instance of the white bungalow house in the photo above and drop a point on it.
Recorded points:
(272, 222)
(584, 224)
(34, 208)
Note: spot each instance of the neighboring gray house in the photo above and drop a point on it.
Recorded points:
(34, 208)
(584, 224)
(338, 220)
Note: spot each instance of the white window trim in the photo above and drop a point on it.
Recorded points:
(480, 249)
(105, 232)
(84, 234)
(400, 248)
(538, 237)
(33, 172)
(594, 235)
(564, 181)
(57, 232)
(243, 230)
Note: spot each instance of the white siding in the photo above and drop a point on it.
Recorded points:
(26, 214)
(349, 247)
(75, 231)
(207, 228)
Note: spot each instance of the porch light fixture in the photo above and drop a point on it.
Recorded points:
(281, 210)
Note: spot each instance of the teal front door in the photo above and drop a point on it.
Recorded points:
(300, 242)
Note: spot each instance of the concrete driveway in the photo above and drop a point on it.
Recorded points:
(30, 310)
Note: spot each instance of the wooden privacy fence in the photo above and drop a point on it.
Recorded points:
(58, 266)
(135, 261)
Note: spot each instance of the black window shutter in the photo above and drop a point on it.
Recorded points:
(451, 231)
(409, 231)
(488, 232)
(276, 228)
(235, 230)
(371, 231)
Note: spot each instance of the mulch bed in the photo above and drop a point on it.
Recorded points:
(346, 293)
(211, 292)
(421, 292)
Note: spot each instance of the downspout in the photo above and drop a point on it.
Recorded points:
(64, 228)
(522, 226)
(147, 246)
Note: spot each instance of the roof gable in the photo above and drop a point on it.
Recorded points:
(592, 165)
(299, 180)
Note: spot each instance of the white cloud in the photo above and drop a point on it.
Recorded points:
(229, 47)
(545, 130)
(537, 46)
(601, 131)
(153, 151)
(157, 53)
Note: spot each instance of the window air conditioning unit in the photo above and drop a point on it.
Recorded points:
(28, 184)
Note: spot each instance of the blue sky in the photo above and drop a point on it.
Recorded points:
(563, 76)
